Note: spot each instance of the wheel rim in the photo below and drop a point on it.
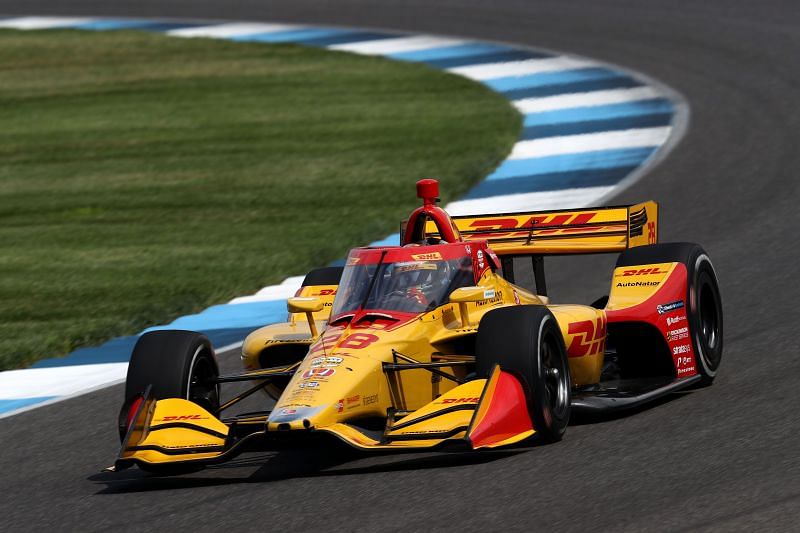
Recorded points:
(556, 378)
(202, 390)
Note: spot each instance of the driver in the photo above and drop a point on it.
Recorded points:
(421, 283)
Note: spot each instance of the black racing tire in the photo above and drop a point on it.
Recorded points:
(526, 340)
(323, 276)
(703, 299)
(175, 364)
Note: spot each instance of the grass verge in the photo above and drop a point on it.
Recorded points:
(144, 177)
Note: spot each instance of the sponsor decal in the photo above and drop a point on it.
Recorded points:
(460, 400)
(353, 261)
(638, 284)
(318, 373)
(494, 228)
(651, 233)
(411, 267)
(685, 370)
(353, 400)
(674, 320)
(684, 361)
(339, 406)
(368, 400)
(325, 292)
(516, 297)
(491, 297)
(186, 446)
(294, 411)
(481, 264)
(432, 256)
(172, 418)
(589, 337)
(300, 395)
(681, 348)
(669, 307)
(326, 361)
(309, 385)
(644, 272)
(678, 334)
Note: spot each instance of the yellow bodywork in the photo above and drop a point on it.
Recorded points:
(351, 371)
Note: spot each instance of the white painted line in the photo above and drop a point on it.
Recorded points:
(521, 68)
(396, 46)
(58, 381)
(222, 350)
(232, 29)
(533, 201)
(43, 23)
(285, 290)
(589, 142)
(527, 106)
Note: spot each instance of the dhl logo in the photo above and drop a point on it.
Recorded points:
(173, 418)
(325, 292)
(644, 271)
(433, 256)
(460, 400)
(495, 228)
(589, 337)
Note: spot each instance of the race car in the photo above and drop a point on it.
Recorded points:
(431, 344)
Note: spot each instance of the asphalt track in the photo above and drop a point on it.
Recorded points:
(723, 458)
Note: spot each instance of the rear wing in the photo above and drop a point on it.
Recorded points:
(572, 231)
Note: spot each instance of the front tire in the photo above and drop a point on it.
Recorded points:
(175, 364)
(526, 340)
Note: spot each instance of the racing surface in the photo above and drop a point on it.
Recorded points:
(723, 458)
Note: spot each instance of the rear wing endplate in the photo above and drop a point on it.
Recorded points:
(573, 231)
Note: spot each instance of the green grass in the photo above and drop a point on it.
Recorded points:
(144, 177)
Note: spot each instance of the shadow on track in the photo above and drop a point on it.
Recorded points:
(334, 460)
(266, 467)
(583, 419)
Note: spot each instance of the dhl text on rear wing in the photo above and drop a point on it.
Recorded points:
(589, 230)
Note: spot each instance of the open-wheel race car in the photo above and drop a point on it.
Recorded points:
(430, 344)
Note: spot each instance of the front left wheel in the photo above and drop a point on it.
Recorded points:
(526, 341)
(175, 364)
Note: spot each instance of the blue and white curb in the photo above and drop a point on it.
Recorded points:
(589, 130)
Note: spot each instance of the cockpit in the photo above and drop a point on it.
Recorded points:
(408, 279)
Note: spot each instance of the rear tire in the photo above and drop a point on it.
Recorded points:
(526, 340)
(703, 299)
(323, 276)
(175, 364)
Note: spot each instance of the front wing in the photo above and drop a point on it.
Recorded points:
(483, 413)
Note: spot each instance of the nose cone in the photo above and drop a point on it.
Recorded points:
(330, 386)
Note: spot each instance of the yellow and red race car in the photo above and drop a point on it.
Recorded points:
(430, 344)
